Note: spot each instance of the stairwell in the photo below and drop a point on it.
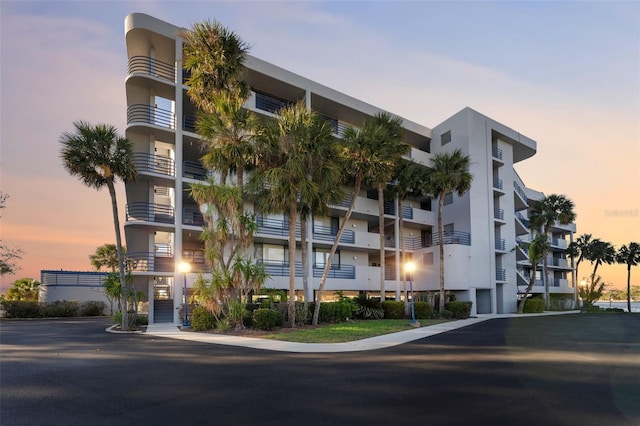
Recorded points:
(162, 311)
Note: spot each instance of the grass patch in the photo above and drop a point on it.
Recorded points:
(345, 332)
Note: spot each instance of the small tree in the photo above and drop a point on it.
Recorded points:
(24, 289)
(538, 248)
(592, 291)
(106, 256)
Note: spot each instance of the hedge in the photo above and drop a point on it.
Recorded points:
(393, 309)
(267, 319)
(533, 306)
(422, 310)
(58, 309)
(459, 310)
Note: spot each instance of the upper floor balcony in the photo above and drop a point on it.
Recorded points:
(151, 67)
(451, 237)
(498, 184)
(277, 227)
(520, 200)
(150, 212)
(281, 269)
(157, 164)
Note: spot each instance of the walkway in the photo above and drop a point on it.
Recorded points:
(393, 339)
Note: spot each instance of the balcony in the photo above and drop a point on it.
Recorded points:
(452, 237)
(498, 214)
(268, 226)
(326, 233)
(189, 123)
(150, 212)
(338, 128)
(523, 195)
(497, 183)
(150, 262)
(150, 163)
(194, 170)
(281, 269)
(496, 152)
(558, 243)
(192, 216)
(142, 113)
(501, 274)
(152, 67)
(390, 209)
(501, 244)
(269, 103)
(524, 221)
(410, 243)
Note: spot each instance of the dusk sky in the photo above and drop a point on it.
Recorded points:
(566, 74)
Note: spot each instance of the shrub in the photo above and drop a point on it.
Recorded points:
(303, 315)
(336, 311)
(368, 308)
(92, 309)
(533, 306)
(393, 310)
(201, 319)
(459, 310)
(142, 319)
(60, 309)
(117, 317)
(223, 324)
(587, 308)
(422, 310)
(267, 319)
(20, 309)
(446, 314)
(617, 310)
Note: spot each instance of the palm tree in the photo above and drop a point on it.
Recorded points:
(106, 256)
(601, 252)
(291, 175)
(384, 135)
(449, 173)
(99, 156)
(544, 214)
(538, 248)
(592, 291)
(214, 56)
(630, 256)
(579, 249)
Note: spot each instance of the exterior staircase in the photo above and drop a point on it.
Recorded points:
(163, 311)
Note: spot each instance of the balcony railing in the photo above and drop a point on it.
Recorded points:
(281, 269)
(498, 213)
(337, 128)
(496, 152)
(154, 164)
(189, 123)
(192, 216)
(270, 103)
(150, 262)
(270, 226)
(410, 243)
(497, 183)
(522, 219)
(152, 67)
(150, 212)
(452, 237)
(142, 113)
(500, 244)
(520, 191)
(390, 209)
(194, 170)
(326, 233)
(501, 274)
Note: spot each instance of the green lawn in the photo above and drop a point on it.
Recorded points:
(344, 332)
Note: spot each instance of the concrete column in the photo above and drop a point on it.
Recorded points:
(177, 240)
(310, 281)
(398, 244)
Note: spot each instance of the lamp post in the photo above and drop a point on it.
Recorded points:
(185, 268)
(409, 267)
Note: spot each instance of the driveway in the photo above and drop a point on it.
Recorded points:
(556, 370)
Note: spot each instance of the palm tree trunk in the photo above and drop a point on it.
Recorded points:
(382, 240)
(334, 247)
(305, 264)
(292, 264)
(545, 278)
(577, 283)
(629, 287)
(123, 283)
(441, 235)
(403, 253)
(532, 279)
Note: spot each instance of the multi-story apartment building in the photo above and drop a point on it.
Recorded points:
(484, 262)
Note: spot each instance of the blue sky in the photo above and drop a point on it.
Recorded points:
(566, 74)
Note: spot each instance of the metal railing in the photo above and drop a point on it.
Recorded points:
(501, 274)
(281, 269)
(451, 237)
(150, 262)
(520, 191)
(500, 244)
(151, 115)
(496, 152)
(498, 213)
(154, 164)
(194, 170)
(270, 103)
(189, 123)
(270, 226)
(326, 233)
(497, 183)
(192, 216)
(522, 219)
(152, 67)
(390, 209)
(150, 212)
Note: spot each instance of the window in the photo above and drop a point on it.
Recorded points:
(448, 228)
(448, 198)
(445, 138)
(320, 257)
(272, 253)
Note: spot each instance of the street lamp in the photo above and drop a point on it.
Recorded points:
(185, 268)
(409, 268)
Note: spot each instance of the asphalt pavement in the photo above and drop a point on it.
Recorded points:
(579, 369)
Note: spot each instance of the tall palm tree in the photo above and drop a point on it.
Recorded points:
(214, 56)
(106, 255)
(579, 250)
(385, 136)
(600, 252)
(545, 214)
(538, 248)
(630, 256)
(449, 173)
(292, 174)
(99, 156)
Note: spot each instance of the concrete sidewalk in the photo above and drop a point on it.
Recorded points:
(393, 339)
